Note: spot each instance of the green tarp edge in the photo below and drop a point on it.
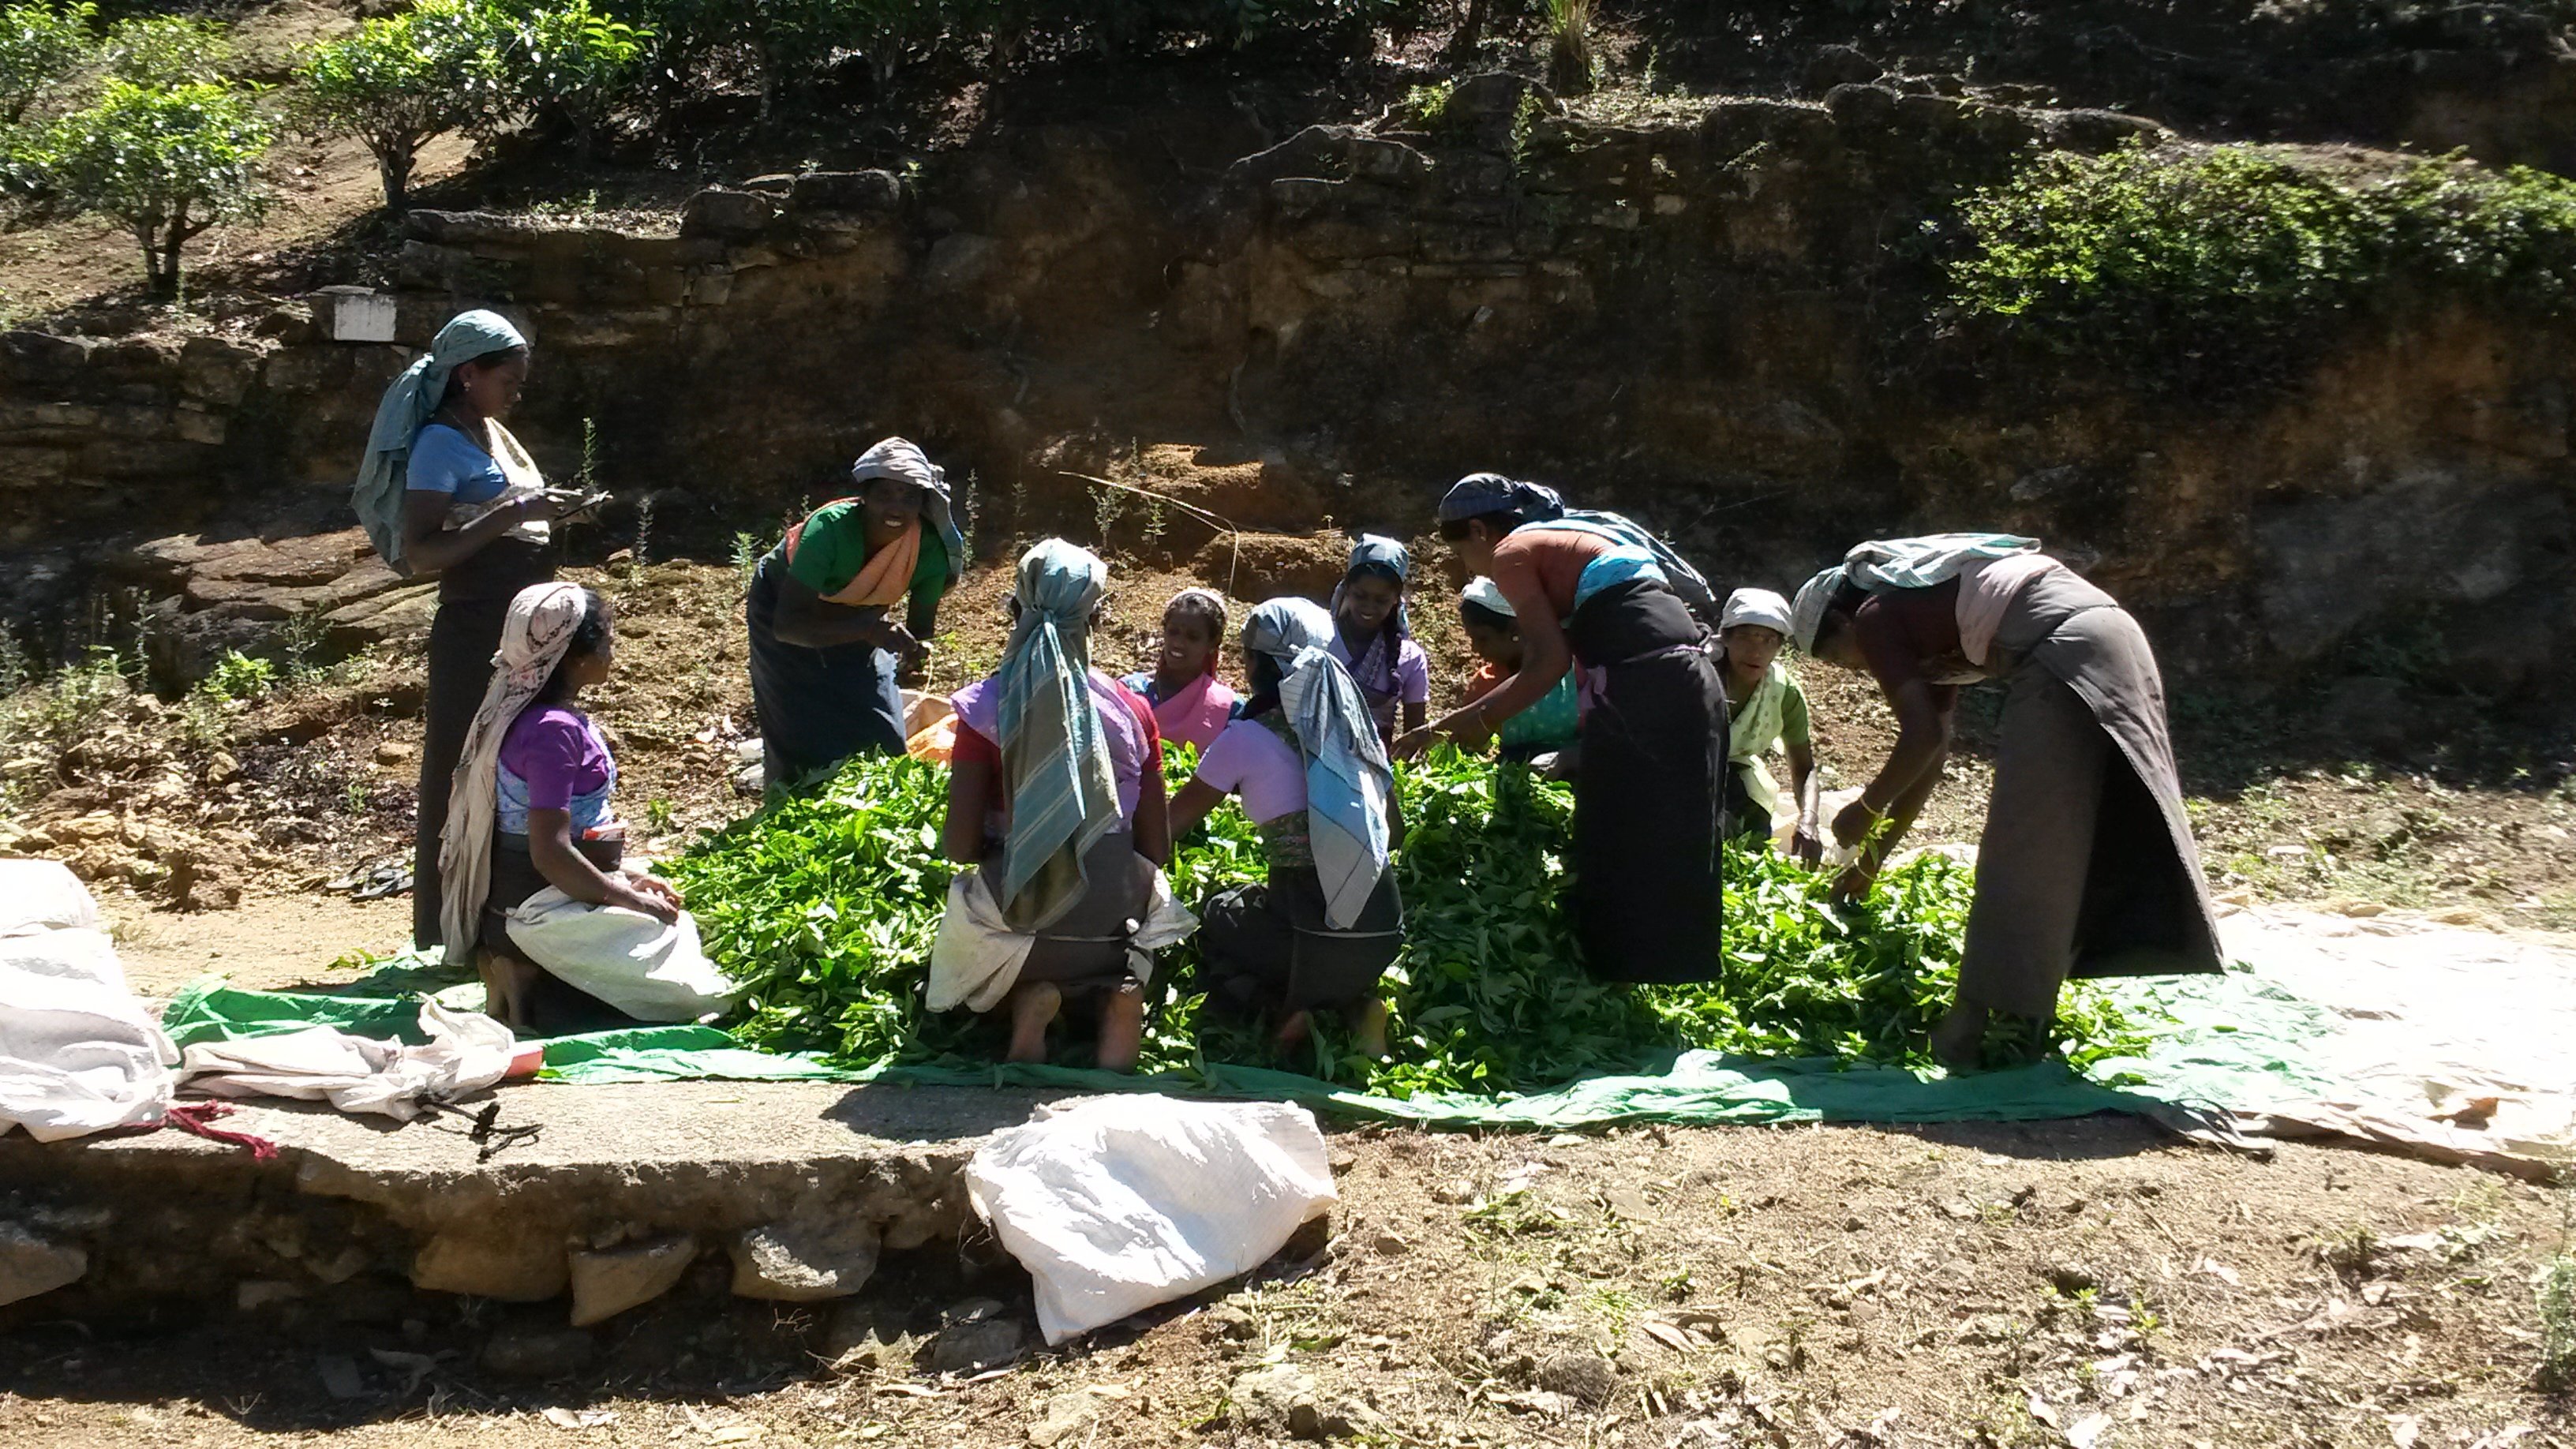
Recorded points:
(2234, 1042)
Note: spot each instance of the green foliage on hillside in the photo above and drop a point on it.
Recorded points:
(2234, 263)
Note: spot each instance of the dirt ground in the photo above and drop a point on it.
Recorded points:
(2064, 1283)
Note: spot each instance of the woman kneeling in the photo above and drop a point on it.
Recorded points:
(1315, 780)
(534, 858)
(1055, 797)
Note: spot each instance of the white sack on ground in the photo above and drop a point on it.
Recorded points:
(648, 970)
(78, 1054)
(2457, 1043)
(466, 1052)
(1118, 1203)
(43, 895)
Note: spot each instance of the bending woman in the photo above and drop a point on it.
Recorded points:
(2087, 866)
(1055, 797)
(1645, 799)
(430, 492)
(534, 855)
(825, 642)
(1306, 760)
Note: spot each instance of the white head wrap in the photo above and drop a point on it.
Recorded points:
(1755, 606)
(1484, 593)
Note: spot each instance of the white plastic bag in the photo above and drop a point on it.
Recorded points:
(78, 1054)
(1115, 1204)
(43, 895)
(466, 1052)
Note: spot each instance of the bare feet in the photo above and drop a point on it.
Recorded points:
(1368, 1027)
(1033, 1008)
(1294, 1031)
(1122, 1029)
(1955, 1041)
(506, 984)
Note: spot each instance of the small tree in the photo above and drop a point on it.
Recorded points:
(572, 62)
(39, 45)
(167, 163)
(396, 82)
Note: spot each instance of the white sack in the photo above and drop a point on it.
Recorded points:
(43, 895)
(466, 1052)
(1118, 1203)
(78, 1054)
(650, 971)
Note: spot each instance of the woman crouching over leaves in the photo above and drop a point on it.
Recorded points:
(1055, 797)
(534, 857)
(2087, 866)
(1313, 777)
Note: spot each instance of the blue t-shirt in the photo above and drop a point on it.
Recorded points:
(444, 460)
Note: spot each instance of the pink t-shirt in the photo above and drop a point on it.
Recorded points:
(1250, 761)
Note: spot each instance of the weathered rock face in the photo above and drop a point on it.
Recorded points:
(1690, 320)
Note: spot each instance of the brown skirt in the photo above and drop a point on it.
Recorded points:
(2087, 866)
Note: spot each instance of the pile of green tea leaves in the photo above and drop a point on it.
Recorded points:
(825, 906)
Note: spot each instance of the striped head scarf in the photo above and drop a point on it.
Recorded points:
(534, 639)
(1348, 779)
(1063, 789)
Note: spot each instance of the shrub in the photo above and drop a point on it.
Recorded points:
(2231, 263)
(165, 163)
(158, 51)
(2557, 1301)
(398, 81)
(573, 63)
(239, 676)
(39, 45)
(1571, 63)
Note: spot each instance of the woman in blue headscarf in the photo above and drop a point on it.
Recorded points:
(1373, 635)
(1055, 797)
(1306, 760)
(445, 489)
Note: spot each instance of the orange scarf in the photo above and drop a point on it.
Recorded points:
(885, 580)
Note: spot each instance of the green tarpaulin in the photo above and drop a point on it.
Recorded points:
(2235, 1042)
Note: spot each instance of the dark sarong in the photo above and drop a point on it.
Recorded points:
(1745, 821)
(816, 707)
(2087, 866)
(554, 1006)
(1645, 802)
(1269, 948)
(473, 600)
(1084, 951)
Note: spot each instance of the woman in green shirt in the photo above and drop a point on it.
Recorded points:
(825, 638)
(1766, 708)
